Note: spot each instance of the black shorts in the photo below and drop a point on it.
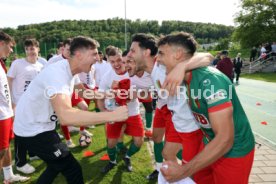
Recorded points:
(46, 145)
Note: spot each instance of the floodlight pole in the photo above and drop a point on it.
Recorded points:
(125, 28)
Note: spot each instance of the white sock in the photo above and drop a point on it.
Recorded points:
(8, 173)
(158, 166)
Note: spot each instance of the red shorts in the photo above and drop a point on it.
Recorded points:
(191, 143)
(148, 99)
(75, 99)
(134, 127)
(86, 99)
(171, 135)
(163, 119)
(6, 133)
(227, 170)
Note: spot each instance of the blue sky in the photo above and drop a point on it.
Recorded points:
(21, 12)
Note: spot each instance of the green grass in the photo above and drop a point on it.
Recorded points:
(91, 166)
(269, 77)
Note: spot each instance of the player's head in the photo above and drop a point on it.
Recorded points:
(101, 56)
(60, 48)
(114, 56)
(31, 47)
(143, 48)
(6, 44)
(175, 48)
(66, 50)
(84, 51)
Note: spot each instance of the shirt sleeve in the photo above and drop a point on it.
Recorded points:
(216, 93)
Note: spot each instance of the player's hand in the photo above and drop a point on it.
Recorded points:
(120, 114)
(172, 171)
(175, 78)
(115, 85)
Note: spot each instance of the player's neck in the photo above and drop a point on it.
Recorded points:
(31, 60)
(150, 65)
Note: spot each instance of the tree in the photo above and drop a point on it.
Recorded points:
(256, 22)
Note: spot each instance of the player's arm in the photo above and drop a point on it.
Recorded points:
(10, 81)
(71, 116)
(223, 127)
(176, 76)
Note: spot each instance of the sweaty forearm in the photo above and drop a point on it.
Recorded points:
(78, 117)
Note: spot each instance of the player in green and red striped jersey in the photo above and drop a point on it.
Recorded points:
(228, 149)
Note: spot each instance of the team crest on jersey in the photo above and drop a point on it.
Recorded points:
(215, 97)
(202, 120)
(206, 82)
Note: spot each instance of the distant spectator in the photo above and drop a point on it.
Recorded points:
(253, 54)
(217, 59)
(237, 66)
(225, 65)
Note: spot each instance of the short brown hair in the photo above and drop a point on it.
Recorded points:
(31, 42)
(6, 38)
(181, 39)
(82, 42)
(113, 51)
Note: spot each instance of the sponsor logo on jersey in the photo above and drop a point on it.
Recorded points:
(215, 97)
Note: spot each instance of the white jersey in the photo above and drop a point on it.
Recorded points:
(59, 58)
(5, 98)
(22, 72)
(144, 82)
(54, 59)
(182, 117)
(42, 61)
(105, 85)
(34, 113)
(100, 70)
(158, 76)
(88, 78)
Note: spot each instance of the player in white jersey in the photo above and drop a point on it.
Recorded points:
(133, 125)
(6, 114)
(20, 75)
(76, 100)
(101, 67)
(48, 99)
(142, 58)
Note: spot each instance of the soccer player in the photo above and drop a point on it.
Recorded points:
(6, 114)
(143, 55)
(228, 149)
(133, 125)
(20, 75)
(48, 99)
(76, 100)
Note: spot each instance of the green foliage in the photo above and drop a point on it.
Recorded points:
(111, 31)
(256, 23)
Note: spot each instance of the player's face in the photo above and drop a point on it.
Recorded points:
(131, 66)
(136, 53)
(117, 64)
(88, 58)
(32, 52)
(5, 49)
(66, 51)
(166, 56)
(60, 50)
